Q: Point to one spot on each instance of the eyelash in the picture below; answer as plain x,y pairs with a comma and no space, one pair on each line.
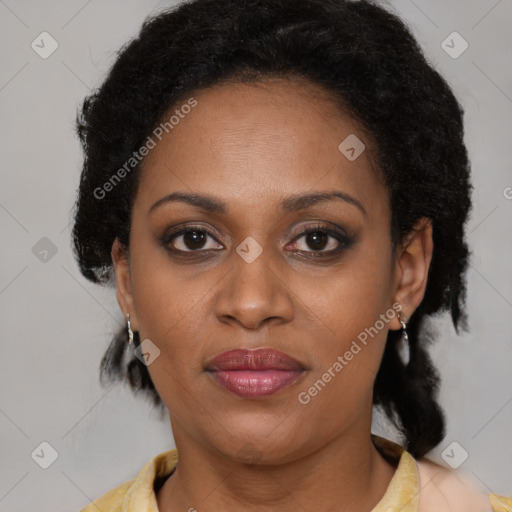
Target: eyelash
343,240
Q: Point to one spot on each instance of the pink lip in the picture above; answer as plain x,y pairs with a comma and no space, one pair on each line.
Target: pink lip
254,373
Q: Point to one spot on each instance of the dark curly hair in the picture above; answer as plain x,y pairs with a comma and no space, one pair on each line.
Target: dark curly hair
368,60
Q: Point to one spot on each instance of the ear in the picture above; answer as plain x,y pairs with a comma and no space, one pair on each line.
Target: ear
412,264
121,262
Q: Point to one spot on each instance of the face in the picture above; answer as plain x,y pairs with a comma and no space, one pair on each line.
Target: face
241,271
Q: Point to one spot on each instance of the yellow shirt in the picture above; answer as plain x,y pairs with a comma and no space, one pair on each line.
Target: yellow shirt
417,486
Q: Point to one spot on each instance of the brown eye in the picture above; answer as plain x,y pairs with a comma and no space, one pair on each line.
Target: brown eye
192,239
321,240
317,240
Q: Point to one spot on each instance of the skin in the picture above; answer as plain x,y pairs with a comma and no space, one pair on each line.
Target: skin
252,145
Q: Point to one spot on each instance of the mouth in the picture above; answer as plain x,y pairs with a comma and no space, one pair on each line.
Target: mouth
254,374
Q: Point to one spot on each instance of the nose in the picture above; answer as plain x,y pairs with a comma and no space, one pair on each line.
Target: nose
254,293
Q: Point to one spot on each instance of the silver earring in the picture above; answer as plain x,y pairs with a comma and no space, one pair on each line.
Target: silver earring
403,345
130,332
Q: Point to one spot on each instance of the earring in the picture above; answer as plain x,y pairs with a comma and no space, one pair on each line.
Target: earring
403,346
130,332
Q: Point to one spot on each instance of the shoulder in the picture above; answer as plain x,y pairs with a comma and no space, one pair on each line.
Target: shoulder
138,493
112,501
500,503
444,489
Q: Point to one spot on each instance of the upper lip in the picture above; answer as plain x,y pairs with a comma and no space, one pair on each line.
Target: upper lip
264,358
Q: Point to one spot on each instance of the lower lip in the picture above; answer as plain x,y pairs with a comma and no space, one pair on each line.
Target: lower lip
254,384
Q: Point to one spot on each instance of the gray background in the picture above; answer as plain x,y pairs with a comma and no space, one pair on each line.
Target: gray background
55,326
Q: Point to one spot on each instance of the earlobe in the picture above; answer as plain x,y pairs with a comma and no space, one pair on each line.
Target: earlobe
121,263
413,264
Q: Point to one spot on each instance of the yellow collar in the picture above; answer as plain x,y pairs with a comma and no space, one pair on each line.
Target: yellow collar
402,494
403,491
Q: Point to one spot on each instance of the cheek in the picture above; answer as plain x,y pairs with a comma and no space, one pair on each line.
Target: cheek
163,299
170,309
169,312
356,310
358,291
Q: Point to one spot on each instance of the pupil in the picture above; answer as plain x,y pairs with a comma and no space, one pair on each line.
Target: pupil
196,238
318,239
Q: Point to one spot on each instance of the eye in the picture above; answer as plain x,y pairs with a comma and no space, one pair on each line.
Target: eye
321,240
191,239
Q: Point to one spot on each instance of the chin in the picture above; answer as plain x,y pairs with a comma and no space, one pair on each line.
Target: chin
259,443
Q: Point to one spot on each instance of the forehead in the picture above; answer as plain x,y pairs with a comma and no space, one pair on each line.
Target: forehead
252,143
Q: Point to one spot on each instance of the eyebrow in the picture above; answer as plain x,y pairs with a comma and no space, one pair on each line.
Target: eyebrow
288,205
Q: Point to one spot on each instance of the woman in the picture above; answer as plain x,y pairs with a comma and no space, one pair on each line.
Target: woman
279,191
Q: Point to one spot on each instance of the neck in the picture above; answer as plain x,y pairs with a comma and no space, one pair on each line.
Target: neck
346,474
